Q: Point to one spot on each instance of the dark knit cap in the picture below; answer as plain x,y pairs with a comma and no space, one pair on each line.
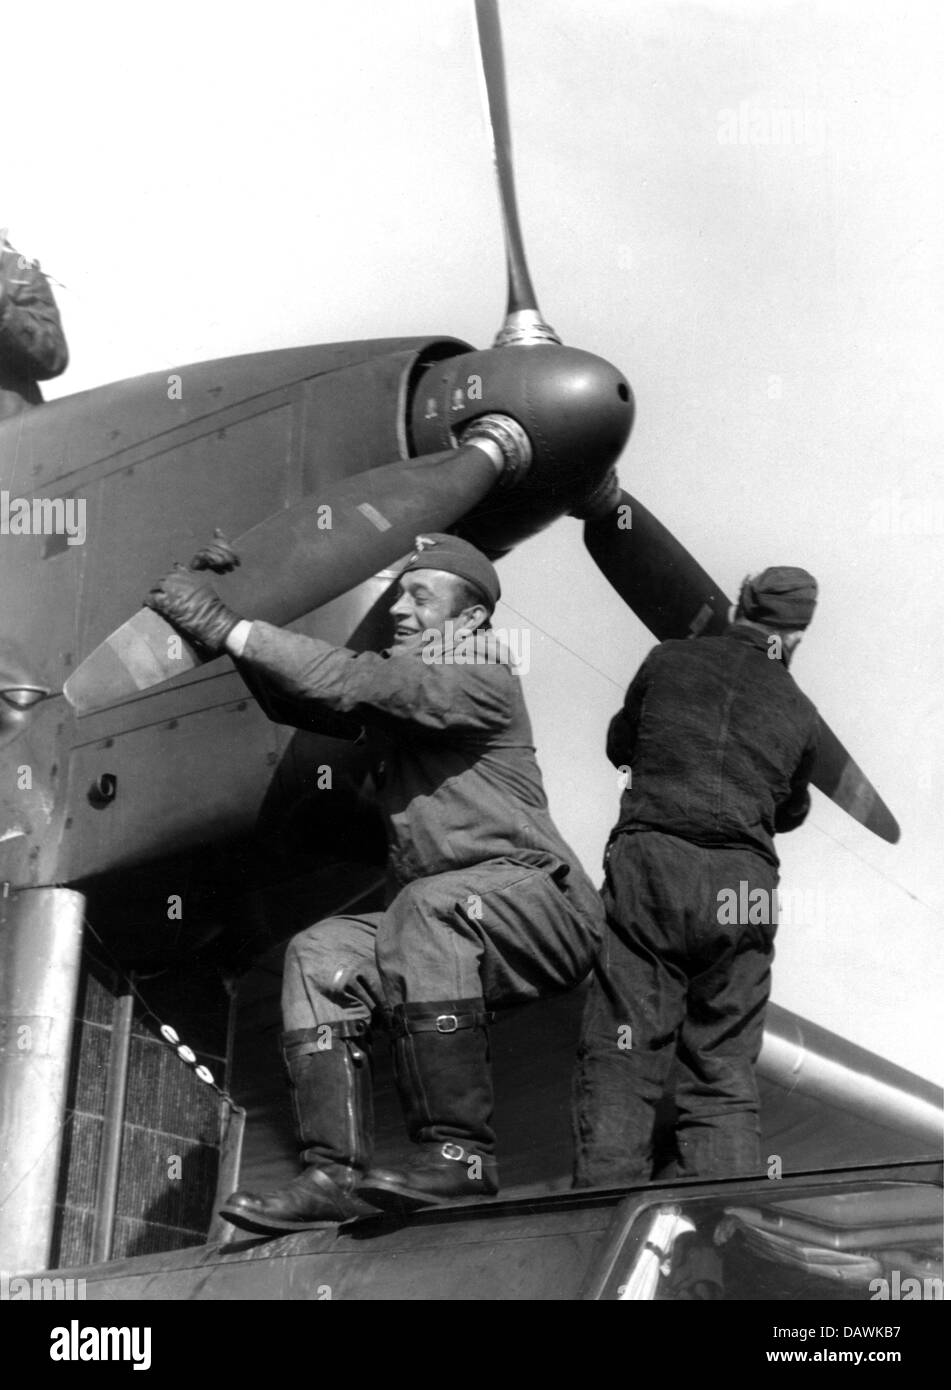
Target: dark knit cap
782,597
451,554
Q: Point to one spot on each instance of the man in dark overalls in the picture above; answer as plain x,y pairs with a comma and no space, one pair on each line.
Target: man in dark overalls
32,342
488,906
716,743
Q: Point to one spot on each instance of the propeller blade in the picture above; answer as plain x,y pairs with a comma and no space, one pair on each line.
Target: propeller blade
662,583
295,561
656,577
523,317
838,775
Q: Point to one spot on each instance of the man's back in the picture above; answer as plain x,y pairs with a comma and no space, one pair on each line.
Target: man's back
719,741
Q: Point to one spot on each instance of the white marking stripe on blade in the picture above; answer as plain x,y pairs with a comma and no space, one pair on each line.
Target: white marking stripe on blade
702,616
134,649
855,792
371,514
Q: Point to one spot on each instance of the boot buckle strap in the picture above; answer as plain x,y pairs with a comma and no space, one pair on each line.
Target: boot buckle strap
350,1028
403,1025
303,1042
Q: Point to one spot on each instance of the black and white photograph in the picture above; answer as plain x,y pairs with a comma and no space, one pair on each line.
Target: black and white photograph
471,641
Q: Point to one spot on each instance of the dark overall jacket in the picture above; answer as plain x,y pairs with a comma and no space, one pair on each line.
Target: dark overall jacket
32,342
720,743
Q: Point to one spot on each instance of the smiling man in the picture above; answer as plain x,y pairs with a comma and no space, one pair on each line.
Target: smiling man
487,906
433,602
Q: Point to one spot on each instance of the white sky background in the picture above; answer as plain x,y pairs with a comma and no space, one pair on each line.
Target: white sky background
215,179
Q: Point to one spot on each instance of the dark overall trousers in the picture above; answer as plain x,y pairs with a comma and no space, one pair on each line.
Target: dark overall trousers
677,985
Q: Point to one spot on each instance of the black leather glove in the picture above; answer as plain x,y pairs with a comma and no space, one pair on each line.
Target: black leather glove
220,555
193,607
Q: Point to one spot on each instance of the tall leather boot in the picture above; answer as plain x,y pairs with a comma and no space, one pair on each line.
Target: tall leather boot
441,1054
332,1087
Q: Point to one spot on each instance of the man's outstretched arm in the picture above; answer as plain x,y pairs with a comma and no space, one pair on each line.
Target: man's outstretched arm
436,698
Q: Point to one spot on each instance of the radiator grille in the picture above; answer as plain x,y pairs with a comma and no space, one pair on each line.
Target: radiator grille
170,1132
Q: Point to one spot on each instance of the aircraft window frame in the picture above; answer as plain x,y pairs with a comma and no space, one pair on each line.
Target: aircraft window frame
782,1229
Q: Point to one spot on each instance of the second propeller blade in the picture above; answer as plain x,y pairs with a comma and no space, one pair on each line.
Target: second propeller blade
674,597
654,574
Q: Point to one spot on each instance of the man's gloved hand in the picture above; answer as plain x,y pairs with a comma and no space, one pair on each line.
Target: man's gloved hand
220,555
189,602
792,813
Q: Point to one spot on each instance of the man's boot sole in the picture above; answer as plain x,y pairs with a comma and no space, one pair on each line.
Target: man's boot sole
401,1200
275,1225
